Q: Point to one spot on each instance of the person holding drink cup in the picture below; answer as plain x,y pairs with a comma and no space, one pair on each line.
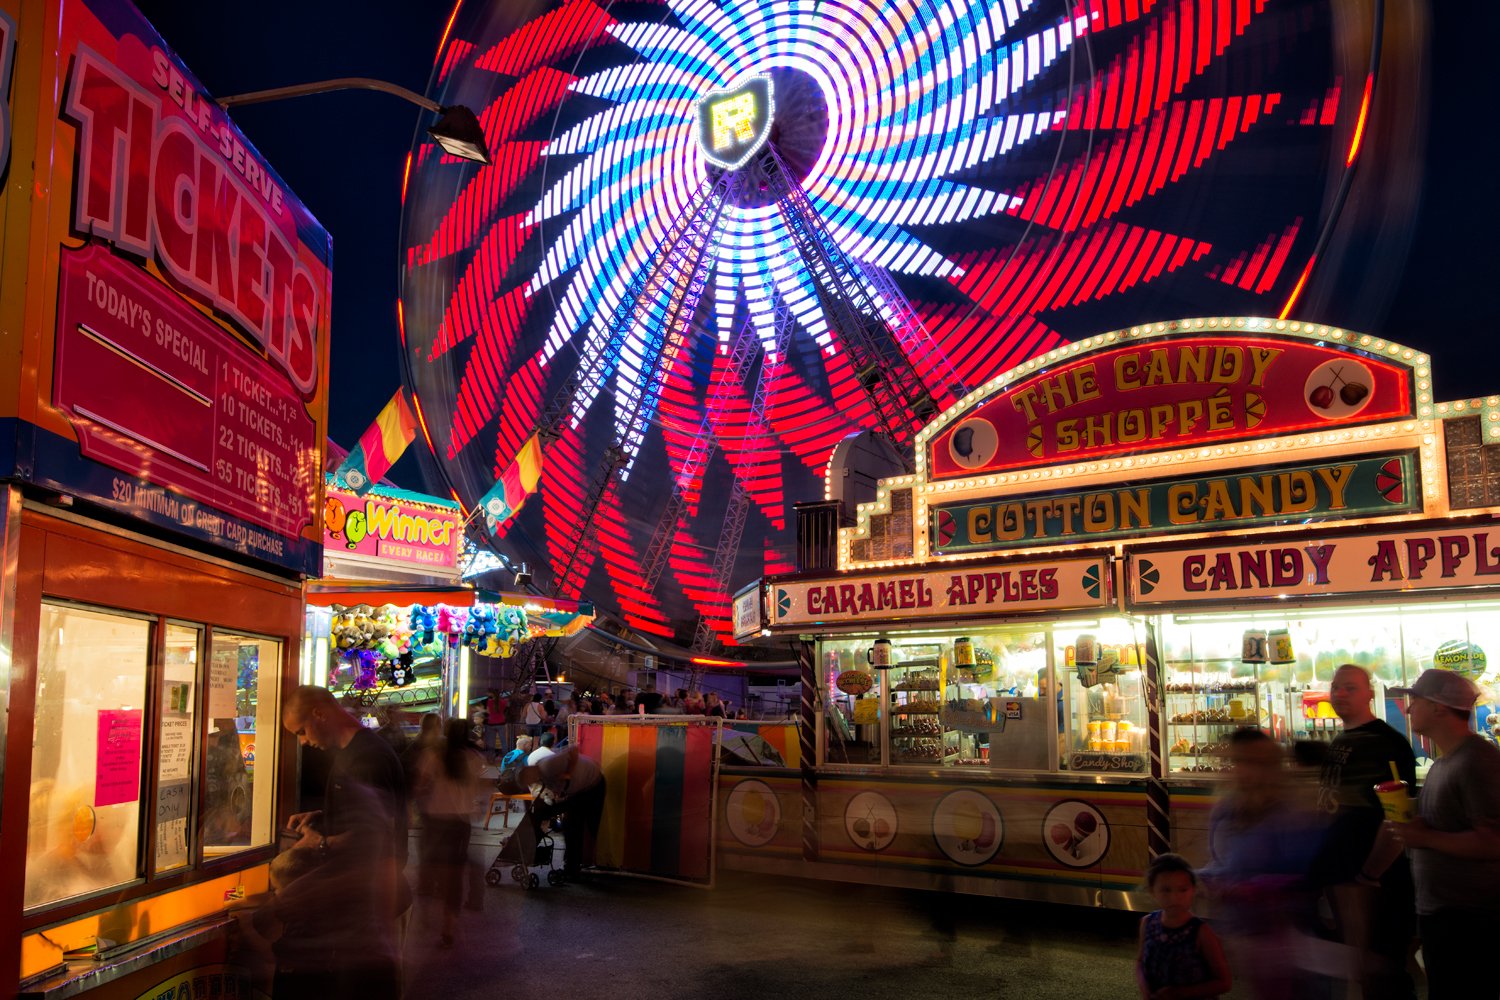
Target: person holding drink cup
1375,917
1454,840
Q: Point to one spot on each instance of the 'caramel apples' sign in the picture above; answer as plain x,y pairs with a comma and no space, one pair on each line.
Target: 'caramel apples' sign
1162,393
1433,558
1014,588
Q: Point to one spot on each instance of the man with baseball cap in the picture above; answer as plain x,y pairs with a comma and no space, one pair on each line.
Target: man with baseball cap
1454,842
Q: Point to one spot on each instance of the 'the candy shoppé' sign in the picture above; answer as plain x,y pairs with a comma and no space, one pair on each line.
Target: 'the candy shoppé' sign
1169,393
1419,560
1014,587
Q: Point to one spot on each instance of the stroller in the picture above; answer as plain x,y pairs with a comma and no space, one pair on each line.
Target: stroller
523,851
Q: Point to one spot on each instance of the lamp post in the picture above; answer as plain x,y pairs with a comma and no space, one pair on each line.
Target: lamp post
457,130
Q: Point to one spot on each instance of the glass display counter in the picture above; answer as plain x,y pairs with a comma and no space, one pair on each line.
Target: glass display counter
984,698
1105,720
1223,672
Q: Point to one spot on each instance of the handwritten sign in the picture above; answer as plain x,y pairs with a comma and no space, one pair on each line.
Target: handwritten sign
1095,761
176,756
223,676
173,800
117,762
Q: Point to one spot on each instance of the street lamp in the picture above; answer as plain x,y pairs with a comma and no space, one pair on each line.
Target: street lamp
457,130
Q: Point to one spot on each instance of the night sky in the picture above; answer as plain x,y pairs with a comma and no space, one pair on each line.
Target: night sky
343,155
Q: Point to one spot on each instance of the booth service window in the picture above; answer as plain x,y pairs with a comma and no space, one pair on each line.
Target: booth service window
210,710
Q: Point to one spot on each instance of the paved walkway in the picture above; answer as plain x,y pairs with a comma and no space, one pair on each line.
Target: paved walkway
754,937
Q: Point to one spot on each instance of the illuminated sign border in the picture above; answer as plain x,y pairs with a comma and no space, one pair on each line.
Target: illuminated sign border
1052,415
1424,427
760,140
1442,556
1081,583
1370,480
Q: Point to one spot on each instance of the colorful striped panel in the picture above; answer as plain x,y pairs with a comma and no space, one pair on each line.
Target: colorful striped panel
658,807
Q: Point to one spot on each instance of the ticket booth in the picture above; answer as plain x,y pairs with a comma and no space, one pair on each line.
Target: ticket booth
164,315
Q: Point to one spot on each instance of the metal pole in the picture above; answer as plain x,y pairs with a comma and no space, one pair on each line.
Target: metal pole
344,83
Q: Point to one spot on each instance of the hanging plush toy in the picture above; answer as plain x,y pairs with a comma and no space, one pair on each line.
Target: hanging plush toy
512,624
480,629
424,622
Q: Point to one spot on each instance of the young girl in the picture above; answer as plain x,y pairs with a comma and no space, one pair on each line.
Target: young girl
1180,956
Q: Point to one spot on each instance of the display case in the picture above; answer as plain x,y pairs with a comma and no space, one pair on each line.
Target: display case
852,695
1225,672
916,684
1105,717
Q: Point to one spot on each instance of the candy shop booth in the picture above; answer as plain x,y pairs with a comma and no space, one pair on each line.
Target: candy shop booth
1021,674
164,309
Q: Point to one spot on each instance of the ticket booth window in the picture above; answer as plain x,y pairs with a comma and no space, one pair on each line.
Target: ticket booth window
243,723
178,746
87,753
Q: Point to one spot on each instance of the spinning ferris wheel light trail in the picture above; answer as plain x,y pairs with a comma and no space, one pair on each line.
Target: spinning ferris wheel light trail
720,236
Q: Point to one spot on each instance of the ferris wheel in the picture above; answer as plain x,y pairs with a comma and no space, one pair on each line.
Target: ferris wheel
721,236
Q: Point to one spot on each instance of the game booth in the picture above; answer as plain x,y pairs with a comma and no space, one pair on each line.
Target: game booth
164,303
391,626
1023,662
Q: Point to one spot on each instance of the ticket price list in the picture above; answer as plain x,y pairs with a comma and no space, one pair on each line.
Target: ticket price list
263,439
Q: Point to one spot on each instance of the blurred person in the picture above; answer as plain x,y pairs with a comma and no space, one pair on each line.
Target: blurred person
226,805
575,791
1454,841
565,710
364,810
449,785
712,706
543,750
1179,957
429,735
389,728
1262,846
1375,917
694,704
329,924
534,717
496,708
649,702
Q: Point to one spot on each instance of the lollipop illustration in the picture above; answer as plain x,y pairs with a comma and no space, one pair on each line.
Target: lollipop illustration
870,821
753,810
753,813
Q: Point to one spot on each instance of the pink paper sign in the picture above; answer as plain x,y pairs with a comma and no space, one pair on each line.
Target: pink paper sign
117,767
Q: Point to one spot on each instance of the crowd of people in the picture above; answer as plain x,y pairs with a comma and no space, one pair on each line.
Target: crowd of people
1313,882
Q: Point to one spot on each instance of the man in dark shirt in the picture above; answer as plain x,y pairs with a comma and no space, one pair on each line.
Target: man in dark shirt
360,757
364,817
1359,759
